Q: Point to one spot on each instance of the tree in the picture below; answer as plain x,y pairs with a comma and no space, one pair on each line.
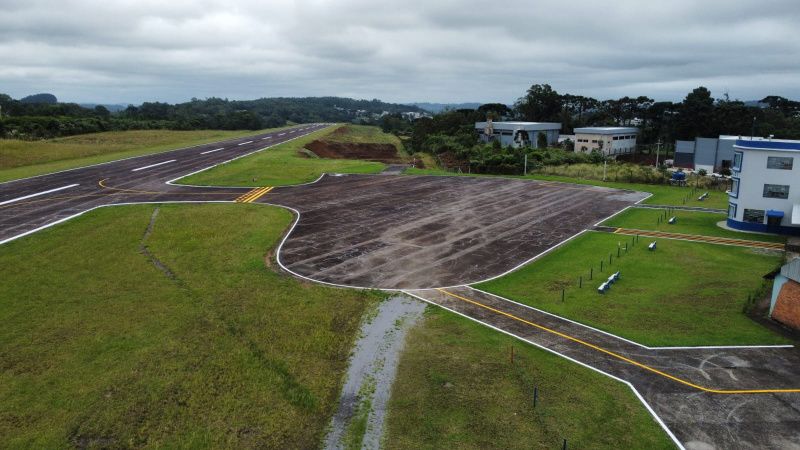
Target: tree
495,111
696,115
540,104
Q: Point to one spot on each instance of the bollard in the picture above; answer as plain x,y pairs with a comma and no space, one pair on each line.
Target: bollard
601,265
535,395
626,247
591,271
580,281
609,258
564,447
562,295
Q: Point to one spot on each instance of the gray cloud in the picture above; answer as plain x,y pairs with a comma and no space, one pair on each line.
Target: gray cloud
133,51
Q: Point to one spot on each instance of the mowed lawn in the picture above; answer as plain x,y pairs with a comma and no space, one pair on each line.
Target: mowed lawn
684,293
662,194
687,222
100,348
20,159
281,165
457,388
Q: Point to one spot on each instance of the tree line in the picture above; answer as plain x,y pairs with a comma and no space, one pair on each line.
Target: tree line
32,119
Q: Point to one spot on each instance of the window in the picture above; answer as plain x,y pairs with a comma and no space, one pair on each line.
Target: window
732,210
776,191
594,141
753,215
734,187
737,161
780,162
616,138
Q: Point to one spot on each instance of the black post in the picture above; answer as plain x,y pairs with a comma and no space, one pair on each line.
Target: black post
580,281
618,251
591,271
562,295
564,447
609,258
601,265
535,395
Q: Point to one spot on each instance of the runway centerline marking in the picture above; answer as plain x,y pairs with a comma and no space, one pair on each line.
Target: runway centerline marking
281,134
618,356
245,143
265,138
212,151
24,197
153,165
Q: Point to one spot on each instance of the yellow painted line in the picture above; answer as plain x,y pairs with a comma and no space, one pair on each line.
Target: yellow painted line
251,195
701,238
620,357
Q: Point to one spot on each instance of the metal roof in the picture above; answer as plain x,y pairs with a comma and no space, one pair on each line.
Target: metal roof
785,145
606,130
512,126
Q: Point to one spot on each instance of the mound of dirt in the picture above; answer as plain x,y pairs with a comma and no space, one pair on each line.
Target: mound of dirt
386,153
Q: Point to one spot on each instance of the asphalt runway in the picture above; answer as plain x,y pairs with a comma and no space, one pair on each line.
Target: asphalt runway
420,233
29,204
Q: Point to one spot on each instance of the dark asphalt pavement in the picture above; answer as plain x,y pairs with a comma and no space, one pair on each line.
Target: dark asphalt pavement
29,204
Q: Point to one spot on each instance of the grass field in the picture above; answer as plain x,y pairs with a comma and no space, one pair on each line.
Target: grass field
684,293
688,222
662,194
99,348
364,134
456,388
281,165
20,159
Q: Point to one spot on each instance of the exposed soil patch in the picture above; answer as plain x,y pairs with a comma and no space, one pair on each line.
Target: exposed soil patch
385,153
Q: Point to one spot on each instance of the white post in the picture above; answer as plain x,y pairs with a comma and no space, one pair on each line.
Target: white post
605,164
525,172
658,149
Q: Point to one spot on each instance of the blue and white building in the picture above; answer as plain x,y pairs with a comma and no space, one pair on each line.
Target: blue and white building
518,134
765,190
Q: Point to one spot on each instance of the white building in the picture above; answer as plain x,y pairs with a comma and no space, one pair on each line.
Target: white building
518,134
609,140
765,191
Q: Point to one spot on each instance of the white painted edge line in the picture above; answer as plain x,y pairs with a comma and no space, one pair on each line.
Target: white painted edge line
629,384
212,151
117,160
64,219
245,143
38,194
153,165
173,181
699,347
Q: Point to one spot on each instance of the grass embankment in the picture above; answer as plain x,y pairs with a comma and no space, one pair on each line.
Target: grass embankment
100,348
364,134
688,222
456,388
20,159
281,165
662,194
684,293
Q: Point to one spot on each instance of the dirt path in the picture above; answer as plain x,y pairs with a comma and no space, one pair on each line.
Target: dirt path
358,422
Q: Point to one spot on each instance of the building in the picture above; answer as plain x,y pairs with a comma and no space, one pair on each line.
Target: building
785,303
518,134
609,140
765,188
711,154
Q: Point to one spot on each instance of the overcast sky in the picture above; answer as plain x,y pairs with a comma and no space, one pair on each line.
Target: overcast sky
129,51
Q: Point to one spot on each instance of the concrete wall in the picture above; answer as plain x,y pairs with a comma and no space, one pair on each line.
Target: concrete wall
610,146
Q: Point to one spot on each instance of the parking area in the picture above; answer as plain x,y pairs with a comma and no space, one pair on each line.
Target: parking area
398,232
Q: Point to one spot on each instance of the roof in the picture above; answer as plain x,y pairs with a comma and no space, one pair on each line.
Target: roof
520,125
606,130
786,145
791,270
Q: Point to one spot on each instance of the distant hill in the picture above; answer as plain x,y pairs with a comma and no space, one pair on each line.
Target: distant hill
114,107
48,99
439,107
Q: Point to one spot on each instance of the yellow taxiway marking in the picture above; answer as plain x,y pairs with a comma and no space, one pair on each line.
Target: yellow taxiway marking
700,238
253,195
620,357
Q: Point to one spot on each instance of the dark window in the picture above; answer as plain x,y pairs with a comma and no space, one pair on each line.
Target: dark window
779,162
734,187
616,138
732,210
737,161
776,191
753,215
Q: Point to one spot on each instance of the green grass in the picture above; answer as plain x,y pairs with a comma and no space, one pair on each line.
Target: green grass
684,293
688,222
279,166
20,159
364,134
662,194
101,349
456,388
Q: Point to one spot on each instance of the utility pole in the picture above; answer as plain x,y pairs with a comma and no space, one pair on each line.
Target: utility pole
525,171
658,150
753,129
605,164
